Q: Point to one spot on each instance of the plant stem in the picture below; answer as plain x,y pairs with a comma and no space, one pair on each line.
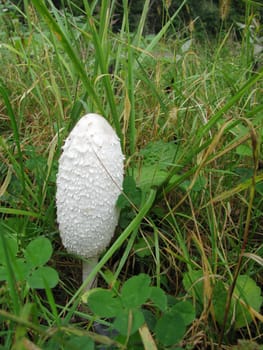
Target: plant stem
87,266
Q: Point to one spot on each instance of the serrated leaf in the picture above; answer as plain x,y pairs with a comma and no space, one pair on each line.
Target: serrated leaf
43,277
159,153
198,186
149,176
157,158
159,298
186,311
136,291
170,329
38,252
128,321
104,303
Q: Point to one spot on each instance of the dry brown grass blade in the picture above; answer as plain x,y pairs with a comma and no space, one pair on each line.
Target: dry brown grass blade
147,339
6,181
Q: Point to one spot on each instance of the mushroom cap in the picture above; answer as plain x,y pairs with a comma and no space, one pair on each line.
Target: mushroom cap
89,181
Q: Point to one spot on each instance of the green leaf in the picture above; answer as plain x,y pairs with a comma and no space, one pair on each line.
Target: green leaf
157,158
159,153
62,340
38,252
131,193
198,186
128,321
79,343
131,197
159,298
193,284
248,294
170,329
11,245
141,248
136,291
219,304
104,303
244,150
21,269
186,311
3,273
43,277
149,176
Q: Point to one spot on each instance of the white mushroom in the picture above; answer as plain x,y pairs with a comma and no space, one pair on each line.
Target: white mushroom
89,181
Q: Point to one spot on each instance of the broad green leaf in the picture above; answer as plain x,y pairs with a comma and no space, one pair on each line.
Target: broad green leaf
244,150
158,297
136,291
21,269
193,284
11,245
219,304
247,293
128,321
170,329
3,273
79,343
43,277
149,317
157,158
62,340
38,252
132,194
198,186
141,248
149,176
159,153
186,311
104,303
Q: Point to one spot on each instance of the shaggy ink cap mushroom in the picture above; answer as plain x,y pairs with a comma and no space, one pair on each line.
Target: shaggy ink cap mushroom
89,181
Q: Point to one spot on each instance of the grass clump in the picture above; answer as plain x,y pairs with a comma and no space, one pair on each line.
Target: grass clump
189,115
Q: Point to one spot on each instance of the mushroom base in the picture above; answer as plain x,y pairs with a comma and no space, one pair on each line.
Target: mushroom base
87,266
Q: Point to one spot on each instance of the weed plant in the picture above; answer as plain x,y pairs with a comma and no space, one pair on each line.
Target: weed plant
185,268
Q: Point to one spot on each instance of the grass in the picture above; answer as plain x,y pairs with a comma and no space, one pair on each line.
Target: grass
189,116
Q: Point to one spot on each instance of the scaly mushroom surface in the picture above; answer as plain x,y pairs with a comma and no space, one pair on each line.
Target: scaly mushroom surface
89,181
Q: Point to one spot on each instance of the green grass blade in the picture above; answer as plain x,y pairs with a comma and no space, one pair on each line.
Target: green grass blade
161,33
100,41
68,47
245,88
20,212
11,280
15,129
